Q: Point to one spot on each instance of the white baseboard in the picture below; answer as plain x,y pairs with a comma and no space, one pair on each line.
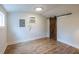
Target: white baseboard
3,49
73,45
15,42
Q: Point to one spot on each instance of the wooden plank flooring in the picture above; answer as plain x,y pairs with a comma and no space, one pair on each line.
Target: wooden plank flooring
41,46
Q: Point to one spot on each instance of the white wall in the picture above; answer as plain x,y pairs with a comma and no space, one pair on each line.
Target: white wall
3,33
68,29
48,28
18,34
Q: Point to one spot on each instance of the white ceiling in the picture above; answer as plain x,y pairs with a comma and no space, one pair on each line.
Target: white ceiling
48,9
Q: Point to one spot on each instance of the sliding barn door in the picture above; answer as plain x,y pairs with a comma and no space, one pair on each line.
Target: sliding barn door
53,28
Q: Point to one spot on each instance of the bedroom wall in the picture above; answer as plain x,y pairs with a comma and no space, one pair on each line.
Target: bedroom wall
3,32
18,34
68,29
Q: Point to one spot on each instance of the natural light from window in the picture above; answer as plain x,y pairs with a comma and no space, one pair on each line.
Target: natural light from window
2,18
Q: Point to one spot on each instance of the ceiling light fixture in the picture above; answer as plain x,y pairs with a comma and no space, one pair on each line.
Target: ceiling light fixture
38,9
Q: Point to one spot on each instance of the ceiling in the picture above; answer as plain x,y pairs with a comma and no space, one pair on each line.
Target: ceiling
48,9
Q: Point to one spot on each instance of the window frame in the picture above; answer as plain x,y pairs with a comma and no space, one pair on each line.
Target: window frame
3,19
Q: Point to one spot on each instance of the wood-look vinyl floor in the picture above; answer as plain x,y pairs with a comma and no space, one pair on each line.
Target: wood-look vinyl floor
41,46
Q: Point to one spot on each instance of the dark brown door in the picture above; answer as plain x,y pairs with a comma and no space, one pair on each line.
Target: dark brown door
53,28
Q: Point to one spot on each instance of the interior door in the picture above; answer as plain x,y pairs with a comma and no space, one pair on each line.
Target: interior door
53,28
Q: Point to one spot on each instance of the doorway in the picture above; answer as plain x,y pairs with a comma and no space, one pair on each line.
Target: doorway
53,27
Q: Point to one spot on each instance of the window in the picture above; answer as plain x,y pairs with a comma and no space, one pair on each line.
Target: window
2,18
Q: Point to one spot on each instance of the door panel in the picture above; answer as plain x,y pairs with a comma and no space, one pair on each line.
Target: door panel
53,28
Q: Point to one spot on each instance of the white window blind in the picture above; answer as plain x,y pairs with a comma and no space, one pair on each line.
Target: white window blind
2,19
